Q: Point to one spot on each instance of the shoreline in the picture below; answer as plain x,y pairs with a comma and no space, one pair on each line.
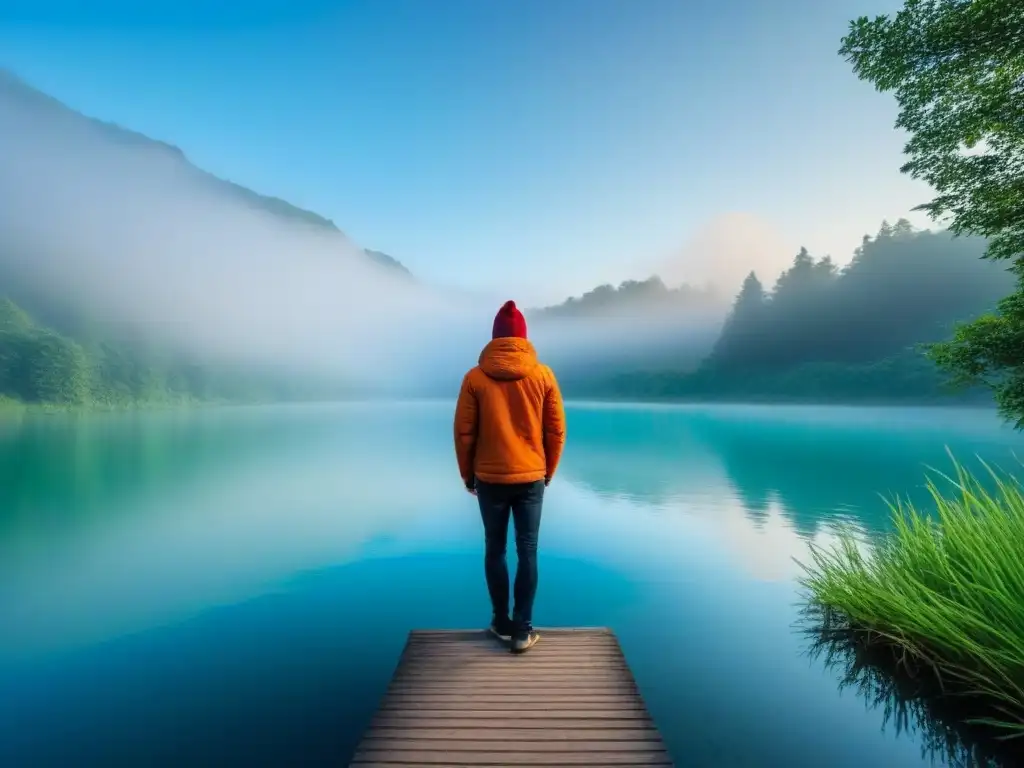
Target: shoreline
939,594
937,402
15,406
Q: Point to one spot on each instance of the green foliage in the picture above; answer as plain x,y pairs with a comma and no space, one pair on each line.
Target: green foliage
989,351
901,288
744,326
13,319
39,365
850,335
56,370
904,378
943,589
956,68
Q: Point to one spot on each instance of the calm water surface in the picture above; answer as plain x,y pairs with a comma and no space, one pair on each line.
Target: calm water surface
233,587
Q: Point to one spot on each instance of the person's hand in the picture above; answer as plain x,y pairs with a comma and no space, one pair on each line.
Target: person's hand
471,489
547,481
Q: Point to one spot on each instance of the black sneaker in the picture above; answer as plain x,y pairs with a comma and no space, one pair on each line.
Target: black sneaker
501,628
522,643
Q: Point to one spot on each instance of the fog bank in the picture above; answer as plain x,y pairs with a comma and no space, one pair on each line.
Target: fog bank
130,234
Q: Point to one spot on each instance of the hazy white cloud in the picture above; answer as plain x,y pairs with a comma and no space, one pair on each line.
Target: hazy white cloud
135,236
726,249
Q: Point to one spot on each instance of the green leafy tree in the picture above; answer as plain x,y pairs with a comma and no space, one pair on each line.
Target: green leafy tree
56,370
956,68
39,364
13,319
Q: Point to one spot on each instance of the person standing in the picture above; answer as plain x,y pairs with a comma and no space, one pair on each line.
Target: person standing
509,436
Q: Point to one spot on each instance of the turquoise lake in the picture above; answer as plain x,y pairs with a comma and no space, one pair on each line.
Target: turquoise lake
232,587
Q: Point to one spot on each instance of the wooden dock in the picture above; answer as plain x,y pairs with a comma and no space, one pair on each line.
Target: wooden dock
460,698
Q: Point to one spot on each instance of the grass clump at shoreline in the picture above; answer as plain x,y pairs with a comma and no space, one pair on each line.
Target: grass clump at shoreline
944,591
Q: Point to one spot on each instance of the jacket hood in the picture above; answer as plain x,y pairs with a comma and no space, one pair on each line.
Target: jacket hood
508,358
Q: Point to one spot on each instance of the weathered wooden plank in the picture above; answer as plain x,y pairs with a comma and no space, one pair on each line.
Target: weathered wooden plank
388,744
622,686
488,648
533,713
543,709
476,636
452,635
376,757
498,662
413,733
588,680
499,657
553,640
565,661
553,643
502,674
556,654
460,698
476,698
404,720
591,695
534,657
478,672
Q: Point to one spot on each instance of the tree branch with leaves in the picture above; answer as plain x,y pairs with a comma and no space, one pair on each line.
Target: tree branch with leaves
956,68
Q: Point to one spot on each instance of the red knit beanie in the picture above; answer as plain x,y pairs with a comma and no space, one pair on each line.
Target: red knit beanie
509,322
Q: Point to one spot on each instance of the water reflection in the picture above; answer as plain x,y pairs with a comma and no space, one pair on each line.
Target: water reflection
180,511
909,698
228,584
767,481
815,466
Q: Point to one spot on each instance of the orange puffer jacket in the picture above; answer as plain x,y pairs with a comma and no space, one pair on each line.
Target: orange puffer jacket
509,420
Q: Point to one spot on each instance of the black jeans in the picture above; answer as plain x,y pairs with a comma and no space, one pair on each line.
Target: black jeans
523,501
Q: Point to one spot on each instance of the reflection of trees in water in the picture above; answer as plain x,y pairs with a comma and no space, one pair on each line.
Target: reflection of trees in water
279,490
57,469
909,696
816,471
649,455
51,464
830,472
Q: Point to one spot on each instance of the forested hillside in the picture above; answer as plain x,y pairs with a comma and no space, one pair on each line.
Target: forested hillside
631,299
41,365
851,334
54,348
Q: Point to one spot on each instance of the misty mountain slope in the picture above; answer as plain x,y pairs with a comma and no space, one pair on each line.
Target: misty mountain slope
108,237
637,299
16,94
146,277
39,365
640,325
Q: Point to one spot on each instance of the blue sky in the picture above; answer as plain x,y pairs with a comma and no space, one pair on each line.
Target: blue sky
540,146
